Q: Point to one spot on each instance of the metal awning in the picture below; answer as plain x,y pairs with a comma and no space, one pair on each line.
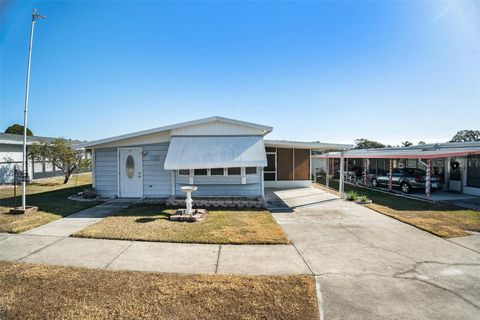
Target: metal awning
452,149
202,152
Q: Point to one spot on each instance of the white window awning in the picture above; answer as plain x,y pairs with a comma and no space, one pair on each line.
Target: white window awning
202,152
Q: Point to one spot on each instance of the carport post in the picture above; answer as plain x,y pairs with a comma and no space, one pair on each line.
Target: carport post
365,165
327,170
333,168
342,165
429,176
390,177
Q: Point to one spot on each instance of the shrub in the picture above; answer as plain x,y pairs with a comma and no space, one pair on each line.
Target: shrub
362,198
355,196
352,195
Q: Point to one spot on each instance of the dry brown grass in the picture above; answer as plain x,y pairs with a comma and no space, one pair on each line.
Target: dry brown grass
444,221
51,292
439,219
150,223
49,195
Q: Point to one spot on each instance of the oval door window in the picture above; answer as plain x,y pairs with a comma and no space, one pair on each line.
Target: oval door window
130,166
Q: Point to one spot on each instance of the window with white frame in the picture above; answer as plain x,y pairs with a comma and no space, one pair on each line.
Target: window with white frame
217,172
200,172
233,171
184,172
251,170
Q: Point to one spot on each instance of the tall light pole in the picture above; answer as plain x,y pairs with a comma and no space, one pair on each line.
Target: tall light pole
35,17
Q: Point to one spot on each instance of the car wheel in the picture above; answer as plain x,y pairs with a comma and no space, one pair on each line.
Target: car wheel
374,183
405,187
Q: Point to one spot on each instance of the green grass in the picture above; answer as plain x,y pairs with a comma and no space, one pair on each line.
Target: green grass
49,195
150,223
437,218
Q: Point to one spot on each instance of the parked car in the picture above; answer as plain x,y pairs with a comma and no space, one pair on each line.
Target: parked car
407,179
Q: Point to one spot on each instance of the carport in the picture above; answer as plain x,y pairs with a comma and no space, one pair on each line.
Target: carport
462,159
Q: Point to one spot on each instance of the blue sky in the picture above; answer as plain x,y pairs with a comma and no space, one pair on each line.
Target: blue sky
328,71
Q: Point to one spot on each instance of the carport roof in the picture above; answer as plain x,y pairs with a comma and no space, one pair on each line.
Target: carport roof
430,151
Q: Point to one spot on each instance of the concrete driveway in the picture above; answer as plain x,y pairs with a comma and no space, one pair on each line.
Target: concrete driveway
370,266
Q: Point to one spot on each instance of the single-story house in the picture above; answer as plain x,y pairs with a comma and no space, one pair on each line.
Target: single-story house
222,157
11,155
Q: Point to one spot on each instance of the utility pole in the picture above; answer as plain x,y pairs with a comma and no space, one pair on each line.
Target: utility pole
35,17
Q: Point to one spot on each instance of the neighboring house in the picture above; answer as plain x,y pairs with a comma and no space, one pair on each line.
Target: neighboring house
223,157
11,154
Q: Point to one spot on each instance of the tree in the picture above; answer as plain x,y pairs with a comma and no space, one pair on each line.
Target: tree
18,129
466,136
367,144
421,143
407,144
62,155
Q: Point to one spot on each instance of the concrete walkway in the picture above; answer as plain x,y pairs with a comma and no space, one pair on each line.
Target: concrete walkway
51,244
69,225
370,266
152,256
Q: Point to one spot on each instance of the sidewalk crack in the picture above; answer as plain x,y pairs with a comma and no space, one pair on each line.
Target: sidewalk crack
48,245
218,258
121,252
303,258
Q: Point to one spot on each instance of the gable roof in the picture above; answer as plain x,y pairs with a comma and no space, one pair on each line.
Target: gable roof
264,129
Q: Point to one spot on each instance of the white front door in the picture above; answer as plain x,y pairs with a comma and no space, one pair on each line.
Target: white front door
130,171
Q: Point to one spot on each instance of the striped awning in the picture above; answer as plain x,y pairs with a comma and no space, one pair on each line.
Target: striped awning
204,152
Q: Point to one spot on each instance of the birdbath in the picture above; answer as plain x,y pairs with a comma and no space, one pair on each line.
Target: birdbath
188,190
189,214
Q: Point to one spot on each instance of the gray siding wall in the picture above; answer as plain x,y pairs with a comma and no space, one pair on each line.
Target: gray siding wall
221,186
156,181
106,172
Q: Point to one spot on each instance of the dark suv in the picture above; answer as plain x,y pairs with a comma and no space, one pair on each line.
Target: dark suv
407,179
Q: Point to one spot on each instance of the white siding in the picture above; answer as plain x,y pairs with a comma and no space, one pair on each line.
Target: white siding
157,137
216,128
10,153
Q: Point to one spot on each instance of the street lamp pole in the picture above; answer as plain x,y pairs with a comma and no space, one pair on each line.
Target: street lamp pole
35,17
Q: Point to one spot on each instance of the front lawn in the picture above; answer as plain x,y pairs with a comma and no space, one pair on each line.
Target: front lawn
150,223
49,195
437,218
31,291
